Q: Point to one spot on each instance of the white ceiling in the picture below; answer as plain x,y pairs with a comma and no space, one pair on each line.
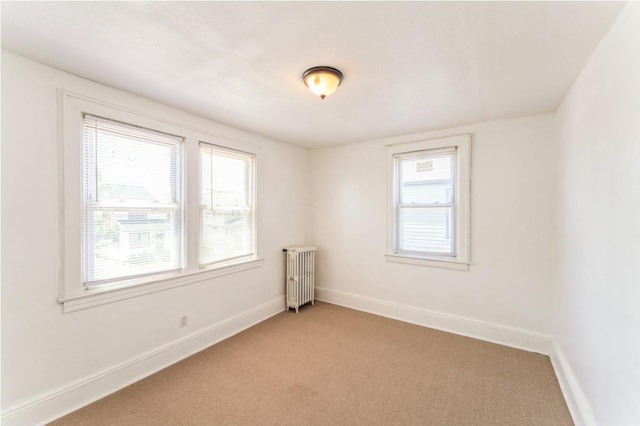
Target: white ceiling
408,66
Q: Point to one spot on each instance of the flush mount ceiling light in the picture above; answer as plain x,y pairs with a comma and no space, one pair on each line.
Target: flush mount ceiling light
322,81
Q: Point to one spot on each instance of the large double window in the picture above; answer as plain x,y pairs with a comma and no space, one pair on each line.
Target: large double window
150,204
429,202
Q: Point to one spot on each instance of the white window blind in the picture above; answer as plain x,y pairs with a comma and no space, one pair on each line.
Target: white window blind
132,209
227,230
426,202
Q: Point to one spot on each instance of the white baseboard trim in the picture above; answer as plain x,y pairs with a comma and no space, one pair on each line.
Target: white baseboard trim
57,403
577,402
520,339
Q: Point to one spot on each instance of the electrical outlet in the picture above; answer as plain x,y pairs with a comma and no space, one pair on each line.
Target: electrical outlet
184,321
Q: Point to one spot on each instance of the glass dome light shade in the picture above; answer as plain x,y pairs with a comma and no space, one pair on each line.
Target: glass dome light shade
322,81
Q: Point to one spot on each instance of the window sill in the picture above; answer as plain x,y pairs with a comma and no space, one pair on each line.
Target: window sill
102,296
429,262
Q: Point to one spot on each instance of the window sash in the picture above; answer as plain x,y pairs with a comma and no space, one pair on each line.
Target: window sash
107,256
410,248
215,246
405,243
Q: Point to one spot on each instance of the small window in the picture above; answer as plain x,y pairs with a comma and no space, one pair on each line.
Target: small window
429,206
227,213
132,187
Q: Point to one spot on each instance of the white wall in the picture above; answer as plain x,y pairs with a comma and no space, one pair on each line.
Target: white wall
506,294
53,361
597,278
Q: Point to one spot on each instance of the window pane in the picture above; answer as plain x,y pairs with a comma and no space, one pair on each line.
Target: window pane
226,234
135,170
226,204
426,229
132,202
427,179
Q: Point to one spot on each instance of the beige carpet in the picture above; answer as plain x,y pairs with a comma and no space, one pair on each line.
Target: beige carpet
332,365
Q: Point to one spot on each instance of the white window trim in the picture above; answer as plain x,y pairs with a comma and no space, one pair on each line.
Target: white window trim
73,295
461,260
